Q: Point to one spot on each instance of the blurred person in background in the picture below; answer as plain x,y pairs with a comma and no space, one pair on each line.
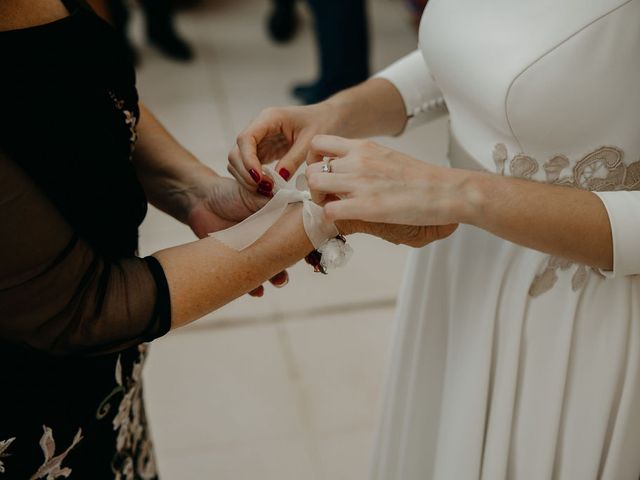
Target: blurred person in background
160,26
342,39
79,158
517,345
416,7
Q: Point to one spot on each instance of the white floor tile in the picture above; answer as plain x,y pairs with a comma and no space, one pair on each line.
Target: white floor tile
346,455
265,460
220,389
340,360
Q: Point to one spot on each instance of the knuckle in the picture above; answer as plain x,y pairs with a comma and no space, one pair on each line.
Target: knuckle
270,112
367,144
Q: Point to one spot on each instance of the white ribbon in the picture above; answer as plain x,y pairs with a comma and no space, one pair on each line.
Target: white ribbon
247,232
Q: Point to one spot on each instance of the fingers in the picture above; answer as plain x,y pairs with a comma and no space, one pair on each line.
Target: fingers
252,200
347,164
244,158
329,146
235,173
278,281
350,209
292,160
264,188
334,183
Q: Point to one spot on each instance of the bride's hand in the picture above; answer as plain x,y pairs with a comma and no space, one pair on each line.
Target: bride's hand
374,183
278,133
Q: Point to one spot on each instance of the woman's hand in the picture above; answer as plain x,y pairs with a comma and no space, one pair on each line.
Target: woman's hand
374,107
212,203
282,134
373,183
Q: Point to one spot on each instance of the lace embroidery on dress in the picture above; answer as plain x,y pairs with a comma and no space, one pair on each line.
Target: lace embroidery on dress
130,119
600,171
52,466
134,456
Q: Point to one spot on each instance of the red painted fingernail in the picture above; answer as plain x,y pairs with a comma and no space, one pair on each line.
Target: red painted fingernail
281,279
265,188
284,173
258,292
255,175
265,185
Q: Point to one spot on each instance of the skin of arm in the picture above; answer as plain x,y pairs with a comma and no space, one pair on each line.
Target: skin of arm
563,221
205,275
370,109
177,183
15,14
169,173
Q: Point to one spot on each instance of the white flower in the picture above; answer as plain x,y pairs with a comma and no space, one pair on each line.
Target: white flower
335,253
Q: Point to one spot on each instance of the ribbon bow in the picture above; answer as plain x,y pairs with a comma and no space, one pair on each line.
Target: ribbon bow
247,232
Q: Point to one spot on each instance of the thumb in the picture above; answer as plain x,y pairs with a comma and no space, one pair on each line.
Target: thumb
251,200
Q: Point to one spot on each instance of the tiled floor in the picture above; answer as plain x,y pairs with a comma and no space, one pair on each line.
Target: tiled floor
287,386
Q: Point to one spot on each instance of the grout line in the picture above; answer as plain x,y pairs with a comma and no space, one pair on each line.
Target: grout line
290,316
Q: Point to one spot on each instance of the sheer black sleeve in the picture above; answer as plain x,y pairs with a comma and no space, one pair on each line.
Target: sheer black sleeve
57,294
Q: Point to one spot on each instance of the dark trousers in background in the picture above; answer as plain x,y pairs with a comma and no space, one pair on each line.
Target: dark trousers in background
157,15
342,33
343,43
160,28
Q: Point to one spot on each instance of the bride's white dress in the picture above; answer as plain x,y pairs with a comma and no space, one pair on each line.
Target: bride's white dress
508,363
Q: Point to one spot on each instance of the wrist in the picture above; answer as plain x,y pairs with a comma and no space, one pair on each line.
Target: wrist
184,189
340,111
476,191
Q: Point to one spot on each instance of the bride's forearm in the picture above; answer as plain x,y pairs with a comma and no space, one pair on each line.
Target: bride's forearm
563,221
372,108
205,275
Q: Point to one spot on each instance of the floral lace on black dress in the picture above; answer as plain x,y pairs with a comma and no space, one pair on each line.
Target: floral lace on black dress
76,303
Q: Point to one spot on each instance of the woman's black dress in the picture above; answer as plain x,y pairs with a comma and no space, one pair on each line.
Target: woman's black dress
76,304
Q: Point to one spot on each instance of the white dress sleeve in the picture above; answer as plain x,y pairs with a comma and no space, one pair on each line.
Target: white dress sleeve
623,208
423,99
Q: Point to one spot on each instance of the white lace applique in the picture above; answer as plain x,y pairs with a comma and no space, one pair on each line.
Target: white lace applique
600,171
130,119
